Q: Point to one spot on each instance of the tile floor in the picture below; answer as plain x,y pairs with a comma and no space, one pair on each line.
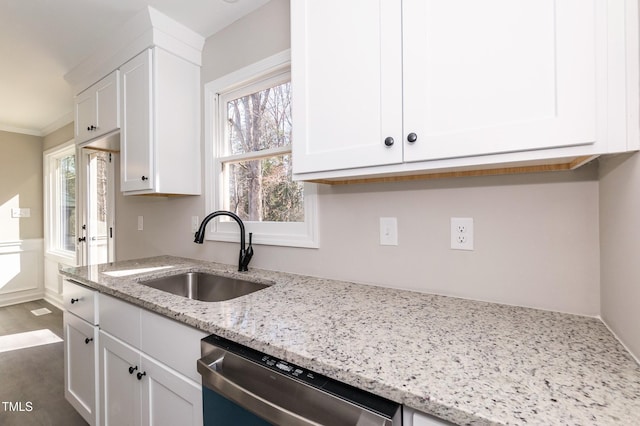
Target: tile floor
34,374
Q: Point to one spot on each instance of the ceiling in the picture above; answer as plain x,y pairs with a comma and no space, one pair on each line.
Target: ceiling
42,40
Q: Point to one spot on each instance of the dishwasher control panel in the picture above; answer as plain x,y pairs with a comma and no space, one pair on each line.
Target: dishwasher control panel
293,370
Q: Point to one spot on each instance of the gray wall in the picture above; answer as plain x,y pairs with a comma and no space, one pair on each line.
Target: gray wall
620,247
537,240
58,137
20,185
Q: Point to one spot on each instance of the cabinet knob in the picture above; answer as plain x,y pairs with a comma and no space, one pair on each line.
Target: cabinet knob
412,137
144,178
88,340
139,375
74,301
132,369
388,141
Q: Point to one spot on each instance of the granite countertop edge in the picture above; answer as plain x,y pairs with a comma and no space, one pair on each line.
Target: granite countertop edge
247,320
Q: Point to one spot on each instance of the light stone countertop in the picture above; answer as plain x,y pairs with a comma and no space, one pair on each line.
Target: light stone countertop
465,361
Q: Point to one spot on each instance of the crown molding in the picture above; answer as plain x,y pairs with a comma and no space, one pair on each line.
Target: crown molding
60,122
21,130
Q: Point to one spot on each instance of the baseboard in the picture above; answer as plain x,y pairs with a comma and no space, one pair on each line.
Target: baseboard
14,300
54,298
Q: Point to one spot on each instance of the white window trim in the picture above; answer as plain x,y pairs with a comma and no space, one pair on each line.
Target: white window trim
298,234
51,190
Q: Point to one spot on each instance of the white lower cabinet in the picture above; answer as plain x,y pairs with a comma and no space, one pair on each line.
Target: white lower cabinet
137,390
81,363
135,387
133,367
168,398
119,388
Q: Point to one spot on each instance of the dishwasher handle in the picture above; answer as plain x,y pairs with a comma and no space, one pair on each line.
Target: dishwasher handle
212,372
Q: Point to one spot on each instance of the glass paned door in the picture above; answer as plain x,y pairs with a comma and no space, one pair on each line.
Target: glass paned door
97,227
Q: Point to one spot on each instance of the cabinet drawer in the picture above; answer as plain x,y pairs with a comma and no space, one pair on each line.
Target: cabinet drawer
120,319
172,343
81,301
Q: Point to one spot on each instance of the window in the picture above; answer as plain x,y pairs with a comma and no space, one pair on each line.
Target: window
60,200
248,134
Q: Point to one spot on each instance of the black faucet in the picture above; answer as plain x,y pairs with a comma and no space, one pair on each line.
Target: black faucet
245,255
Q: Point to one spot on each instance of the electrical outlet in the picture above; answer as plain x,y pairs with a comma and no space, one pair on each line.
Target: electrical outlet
195,223
140,223
462,233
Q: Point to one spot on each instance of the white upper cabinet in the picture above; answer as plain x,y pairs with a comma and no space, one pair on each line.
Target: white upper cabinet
153,97
460,84
160,135
136,143
347,79
97,109
498,75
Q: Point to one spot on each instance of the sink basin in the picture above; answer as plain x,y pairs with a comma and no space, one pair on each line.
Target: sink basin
204,287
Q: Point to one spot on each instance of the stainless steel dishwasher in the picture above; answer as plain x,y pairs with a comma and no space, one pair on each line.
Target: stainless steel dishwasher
242,386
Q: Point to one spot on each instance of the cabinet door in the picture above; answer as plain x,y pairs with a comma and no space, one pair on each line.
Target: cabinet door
498,75
119,386
80,366
107,105
85,109
347,84
136,134
169,398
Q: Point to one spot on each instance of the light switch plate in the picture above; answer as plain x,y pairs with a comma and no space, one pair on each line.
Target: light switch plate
20,212
388,231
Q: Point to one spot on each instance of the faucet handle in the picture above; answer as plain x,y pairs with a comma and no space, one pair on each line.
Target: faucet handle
248,254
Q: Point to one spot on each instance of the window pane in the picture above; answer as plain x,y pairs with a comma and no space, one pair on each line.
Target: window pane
262,190
261,120
67,203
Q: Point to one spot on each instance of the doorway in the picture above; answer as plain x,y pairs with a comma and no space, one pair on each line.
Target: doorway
96,233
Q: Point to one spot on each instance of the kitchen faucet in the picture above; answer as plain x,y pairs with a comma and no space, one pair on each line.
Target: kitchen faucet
245,255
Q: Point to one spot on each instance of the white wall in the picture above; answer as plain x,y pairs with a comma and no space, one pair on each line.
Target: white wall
536,235
620,247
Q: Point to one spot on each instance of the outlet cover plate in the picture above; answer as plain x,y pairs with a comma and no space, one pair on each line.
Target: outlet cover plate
462,233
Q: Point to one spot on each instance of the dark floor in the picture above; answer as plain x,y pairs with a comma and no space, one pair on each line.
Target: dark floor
34,375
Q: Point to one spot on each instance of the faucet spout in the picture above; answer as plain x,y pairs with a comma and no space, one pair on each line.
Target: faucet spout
245,253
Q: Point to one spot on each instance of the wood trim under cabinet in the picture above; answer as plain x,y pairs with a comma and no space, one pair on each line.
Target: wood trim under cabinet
570,165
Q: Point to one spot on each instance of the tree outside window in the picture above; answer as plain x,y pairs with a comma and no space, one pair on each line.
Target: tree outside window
260,186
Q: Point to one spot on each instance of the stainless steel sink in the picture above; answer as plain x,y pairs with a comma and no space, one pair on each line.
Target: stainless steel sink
204,287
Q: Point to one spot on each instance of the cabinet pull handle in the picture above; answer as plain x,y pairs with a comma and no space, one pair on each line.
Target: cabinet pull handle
144,178
132,369
91,128
74,301
412,137
388,141
139,375
82,239
88,340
